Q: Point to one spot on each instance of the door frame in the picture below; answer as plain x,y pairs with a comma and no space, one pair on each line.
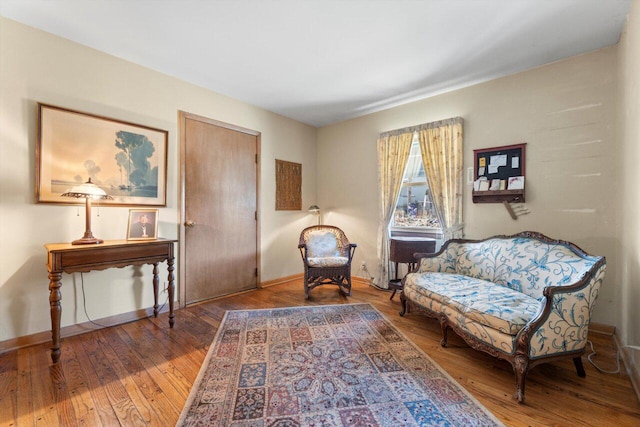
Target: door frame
182,118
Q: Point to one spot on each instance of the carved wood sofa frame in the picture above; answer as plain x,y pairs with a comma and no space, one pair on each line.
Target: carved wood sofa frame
519,360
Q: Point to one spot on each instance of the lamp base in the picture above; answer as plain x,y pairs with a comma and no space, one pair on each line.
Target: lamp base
87,241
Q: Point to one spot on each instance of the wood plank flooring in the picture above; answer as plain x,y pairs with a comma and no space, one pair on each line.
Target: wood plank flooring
140,373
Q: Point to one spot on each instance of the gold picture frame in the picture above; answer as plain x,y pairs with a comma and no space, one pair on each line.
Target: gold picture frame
143,224
128,161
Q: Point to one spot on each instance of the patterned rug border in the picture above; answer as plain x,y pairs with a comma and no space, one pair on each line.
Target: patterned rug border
203,368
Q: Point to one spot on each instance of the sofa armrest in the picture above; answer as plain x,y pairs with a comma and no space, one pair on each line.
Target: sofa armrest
562,324
443,261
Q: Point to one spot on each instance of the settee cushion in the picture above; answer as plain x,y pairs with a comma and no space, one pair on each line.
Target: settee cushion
495,306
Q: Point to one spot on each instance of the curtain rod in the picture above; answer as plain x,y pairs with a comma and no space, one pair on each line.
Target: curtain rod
418,128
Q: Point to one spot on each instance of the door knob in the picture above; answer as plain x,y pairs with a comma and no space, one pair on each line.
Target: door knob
189,223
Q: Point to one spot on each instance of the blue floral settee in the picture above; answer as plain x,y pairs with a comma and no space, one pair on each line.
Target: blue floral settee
524,298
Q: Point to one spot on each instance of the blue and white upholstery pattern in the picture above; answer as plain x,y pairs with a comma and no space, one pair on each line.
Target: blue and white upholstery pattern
494,289
567,326
494,306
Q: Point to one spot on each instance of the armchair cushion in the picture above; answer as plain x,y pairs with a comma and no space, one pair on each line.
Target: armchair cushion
327,261
322,243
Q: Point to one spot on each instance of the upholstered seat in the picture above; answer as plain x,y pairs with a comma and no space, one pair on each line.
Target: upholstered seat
326,254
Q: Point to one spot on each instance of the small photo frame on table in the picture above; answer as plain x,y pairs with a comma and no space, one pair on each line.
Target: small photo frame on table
143,224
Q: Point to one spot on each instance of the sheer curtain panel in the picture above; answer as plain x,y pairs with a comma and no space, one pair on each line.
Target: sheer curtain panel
441,147
393,152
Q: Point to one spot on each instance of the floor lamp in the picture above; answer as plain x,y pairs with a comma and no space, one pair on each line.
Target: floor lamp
316,210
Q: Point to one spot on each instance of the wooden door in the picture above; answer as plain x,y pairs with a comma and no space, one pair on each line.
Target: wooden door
219,213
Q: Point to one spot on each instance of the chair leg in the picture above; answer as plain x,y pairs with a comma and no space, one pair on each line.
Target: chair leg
306,286
404,307
444,327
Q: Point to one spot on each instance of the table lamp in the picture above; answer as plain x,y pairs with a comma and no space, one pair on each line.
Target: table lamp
88,191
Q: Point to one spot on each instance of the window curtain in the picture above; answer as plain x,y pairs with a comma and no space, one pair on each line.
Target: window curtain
393,152
441,147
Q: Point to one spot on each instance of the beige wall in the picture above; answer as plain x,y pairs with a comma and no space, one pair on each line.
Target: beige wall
629,189
564,111
581,175
38,67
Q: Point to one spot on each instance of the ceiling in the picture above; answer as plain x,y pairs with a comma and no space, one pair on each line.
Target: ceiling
323,61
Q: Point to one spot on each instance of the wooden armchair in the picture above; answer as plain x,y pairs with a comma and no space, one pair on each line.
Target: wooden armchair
326,254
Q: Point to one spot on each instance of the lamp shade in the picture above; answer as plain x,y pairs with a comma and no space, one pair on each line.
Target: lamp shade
314,209
87,189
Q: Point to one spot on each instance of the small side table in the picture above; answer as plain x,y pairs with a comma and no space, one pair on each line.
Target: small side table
401,252
68,258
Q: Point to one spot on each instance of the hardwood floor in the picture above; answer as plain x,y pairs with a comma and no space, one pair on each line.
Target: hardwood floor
140,373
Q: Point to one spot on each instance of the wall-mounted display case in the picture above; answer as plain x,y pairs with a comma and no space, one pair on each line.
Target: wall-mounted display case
499,174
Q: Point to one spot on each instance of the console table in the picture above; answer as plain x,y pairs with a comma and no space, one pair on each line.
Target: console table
401,250
68,258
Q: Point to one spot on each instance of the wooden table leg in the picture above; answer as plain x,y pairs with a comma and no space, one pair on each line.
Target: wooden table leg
156,282
396,281
170,289
56,312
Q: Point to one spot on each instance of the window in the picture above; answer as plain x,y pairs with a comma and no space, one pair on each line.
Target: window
415,213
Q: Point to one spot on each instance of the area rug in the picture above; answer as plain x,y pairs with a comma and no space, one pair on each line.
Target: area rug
337,365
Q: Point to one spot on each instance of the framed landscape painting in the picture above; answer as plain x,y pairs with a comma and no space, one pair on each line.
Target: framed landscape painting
128,161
